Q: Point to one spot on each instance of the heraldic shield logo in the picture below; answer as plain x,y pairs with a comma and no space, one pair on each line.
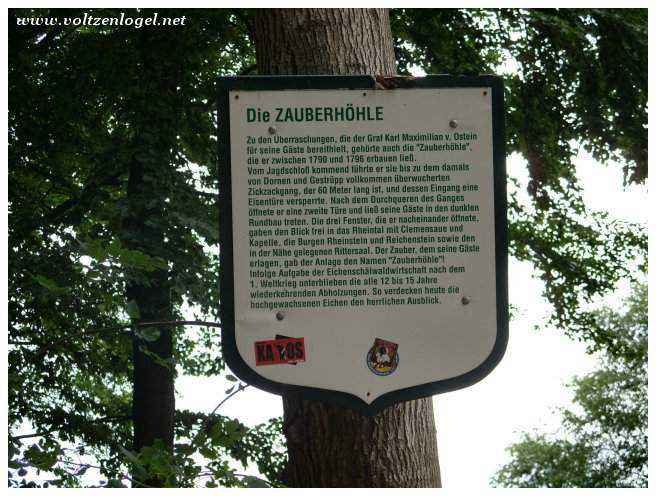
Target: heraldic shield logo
383,357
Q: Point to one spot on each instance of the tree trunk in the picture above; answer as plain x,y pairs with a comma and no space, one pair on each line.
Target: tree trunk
153,399
143,229
330,446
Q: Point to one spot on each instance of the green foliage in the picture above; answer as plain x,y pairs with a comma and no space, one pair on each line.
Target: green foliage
603,442
575,78
83,111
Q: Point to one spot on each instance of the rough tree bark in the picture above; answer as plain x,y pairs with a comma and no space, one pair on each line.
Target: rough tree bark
331,446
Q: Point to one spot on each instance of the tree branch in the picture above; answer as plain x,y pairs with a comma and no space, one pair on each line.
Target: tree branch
87,465
130,326
163,323
208,420
44,433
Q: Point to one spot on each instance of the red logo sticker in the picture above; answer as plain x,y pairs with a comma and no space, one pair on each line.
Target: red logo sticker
277,351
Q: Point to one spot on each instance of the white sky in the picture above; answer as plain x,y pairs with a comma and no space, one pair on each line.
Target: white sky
475,425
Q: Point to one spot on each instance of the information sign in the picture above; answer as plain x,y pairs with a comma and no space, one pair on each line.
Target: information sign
364,250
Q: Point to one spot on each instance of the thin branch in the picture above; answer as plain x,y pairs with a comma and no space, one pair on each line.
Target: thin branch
162,323
87,465
129,327
57,429
208,420
241,387
248,70
213,196
235,474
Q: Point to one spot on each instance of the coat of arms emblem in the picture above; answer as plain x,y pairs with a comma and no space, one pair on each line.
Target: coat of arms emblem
383,357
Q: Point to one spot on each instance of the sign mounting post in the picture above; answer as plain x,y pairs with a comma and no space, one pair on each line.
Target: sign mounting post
363,235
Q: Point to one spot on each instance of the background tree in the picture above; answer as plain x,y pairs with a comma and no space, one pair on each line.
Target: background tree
113,211
603,442
110,225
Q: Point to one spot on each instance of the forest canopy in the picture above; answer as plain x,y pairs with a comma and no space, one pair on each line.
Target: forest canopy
91,106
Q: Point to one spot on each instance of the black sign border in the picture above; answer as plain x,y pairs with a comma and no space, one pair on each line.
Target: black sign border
227,308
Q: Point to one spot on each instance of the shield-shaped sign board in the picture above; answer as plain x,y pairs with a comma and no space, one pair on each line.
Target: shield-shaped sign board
363,229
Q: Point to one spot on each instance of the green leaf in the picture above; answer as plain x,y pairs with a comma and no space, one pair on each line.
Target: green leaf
150,334
254,482
116,483
133,310
130,455
43,459
48,283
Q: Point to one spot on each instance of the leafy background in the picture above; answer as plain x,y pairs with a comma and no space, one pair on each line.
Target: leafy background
89,104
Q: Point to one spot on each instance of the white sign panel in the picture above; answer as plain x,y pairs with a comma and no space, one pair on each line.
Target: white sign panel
365,243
